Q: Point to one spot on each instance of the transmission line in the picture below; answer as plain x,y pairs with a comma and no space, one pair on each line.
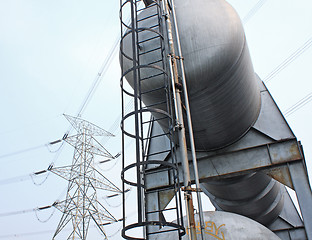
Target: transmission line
16,235
289,60
253,11
87,99
302,102
98,77
22,151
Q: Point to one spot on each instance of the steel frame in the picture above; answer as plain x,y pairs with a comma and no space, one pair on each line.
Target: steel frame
269,146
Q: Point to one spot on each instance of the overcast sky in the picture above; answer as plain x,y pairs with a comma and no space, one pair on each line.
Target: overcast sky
50,54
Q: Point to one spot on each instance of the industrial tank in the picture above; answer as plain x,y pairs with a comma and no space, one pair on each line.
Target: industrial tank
224,96
222,225
255,195
223,90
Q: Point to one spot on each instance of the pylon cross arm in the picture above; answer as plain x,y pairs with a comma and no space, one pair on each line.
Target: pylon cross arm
89,128
96,149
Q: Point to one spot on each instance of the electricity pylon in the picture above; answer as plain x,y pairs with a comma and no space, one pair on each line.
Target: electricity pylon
81,204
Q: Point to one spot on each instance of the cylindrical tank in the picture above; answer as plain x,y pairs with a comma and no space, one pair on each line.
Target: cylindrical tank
223,90
256,196
223,225
224,96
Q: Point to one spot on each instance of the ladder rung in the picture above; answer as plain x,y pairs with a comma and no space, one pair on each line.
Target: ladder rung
148,17
160,60
148,39
154,26
156,75
155,104
163,231
149,6
156,136
159,170
155,119
153,90
149,51
157,153
156,211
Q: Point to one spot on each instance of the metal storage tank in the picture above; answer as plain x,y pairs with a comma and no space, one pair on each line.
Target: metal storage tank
224,97
223,89
222,225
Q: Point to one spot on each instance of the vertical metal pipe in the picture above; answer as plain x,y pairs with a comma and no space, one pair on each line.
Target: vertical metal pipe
122,124
136,115
180,128
189,120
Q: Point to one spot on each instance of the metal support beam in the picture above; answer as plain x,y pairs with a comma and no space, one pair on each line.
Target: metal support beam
233,163
283,160
301,184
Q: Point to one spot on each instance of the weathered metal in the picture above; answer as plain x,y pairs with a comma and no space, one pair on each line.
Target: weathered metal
227,226
223,89
150,215
271,148
241,137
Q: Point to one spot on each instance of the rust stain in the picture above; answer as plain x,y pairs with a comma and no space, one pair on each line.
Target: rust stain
294,151
281,175
165,197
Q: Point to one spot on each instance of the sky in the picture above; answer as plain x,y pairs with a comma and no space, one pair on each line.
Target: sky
51,52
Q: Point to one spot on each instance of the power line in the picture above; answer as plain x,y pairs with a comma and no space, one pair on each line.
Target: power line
91,91
34,148
84,104
15,179
289,60
302,102
7,214
98,77
116,124
253,11
22,151
16,235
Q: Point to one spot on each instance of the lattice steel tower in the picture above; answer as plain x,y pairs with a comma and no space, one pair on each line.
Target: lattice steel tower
81,204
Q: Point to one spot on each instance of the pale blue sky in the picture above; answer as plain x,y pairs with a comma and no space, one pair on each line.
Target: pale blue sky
51,52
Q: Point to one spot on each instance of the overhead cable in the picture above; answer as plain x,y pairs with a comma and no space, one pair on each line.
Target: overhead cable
253,11
14,179
6,214
33,148
289,60
15,235
98,77
92,89
302,102
116,124
22,151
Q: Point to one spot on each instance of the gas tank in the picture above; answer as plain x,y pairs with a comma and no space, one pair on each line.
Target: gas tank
223,89
223,226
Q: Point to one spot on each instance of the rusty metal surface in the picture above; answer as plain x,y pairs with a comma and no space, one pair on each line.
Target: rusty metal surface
238,162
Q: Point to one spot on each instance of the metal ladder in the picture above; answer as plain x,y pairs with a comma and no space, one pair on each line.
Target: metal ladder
143,58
